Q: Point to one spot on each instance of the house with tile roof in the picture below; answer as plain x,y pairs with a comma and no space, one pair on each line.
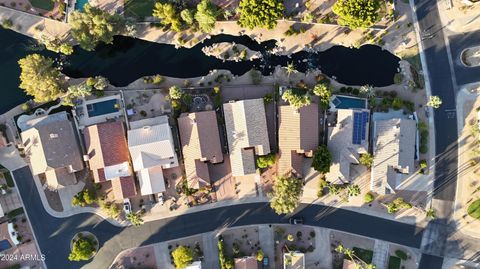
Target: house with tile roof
247,134
394,153
53,147
201,145
347,140
297,137
293,260
248,262
151,146
107,154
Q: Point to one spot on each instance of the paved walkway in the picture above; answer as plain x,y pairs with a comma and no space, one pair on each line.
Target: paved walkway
33,25
380,254
210,251
265,236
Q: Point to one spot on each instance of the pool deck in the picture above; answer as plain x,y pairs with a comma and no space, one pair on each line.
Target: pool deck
84,119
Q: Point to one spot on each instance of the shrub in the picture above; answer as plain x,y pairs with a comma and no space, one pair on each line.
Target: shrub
368,198
266,160
423,164
256,76
401,254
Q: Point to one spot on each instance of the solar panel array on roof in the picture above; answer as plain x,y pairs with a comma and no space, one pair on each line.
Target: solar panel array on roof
360,120
365,120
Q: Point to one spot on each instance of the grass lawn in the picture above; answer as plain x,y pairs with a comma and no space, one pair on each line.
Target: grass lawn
412,56
9,179
43,4
364,254
474,209
139,9
394,262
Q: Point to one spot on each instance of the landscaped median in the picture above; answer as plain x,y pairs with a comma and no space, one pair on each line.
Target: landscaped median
474,209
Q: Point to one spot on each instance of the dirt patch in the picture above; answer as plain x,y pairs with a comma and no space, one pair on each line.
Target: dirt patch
143,257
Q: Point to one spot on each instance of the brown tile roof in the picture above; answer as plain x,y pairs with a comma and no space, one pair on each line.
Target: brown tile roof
246,263
107,146
297,134
200,143
124,187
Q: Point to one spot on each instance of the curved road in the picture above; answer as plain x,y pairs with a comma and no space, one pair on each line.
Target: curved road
54,234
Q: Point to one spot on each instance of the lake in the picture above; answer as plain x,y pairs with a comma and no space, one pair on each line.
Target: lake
128,59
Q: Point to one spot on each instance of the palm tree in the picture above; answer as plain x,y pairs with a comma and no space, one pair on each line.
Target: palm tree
353,190
434,101
135,219
431,213
367,91
290,69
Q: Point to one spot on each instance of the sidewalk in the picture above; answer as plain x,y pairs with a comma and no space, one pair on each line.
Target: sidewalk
467,176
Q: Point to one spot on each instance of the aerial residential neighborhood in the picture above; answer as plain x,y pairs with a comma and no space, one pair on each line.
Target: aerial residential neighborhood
244,134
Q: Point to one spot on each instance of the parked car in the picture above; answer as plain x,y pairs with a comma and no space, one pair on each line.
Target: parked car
127,207
265,263
161,200
296,220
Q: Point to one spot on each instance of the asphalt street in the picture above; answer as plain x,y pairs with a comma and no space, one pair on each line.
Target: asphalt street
54,234
458,43
436,242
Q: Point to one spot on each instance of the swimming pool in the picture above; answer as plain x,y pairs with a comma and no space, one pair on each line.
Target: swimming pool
345,102
4,245
102,108
79,4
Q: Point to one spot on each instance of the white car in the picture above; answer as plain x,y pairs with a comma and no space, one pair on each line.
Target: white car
127,207
161,200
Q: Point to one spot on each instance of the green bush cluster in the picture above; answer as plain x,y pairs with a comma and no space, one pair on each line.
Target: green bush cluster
397,204
423,129
225,261
84,198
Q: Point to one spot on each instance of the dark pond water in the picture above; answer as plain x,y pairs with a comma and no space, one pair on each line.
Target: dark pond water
128,59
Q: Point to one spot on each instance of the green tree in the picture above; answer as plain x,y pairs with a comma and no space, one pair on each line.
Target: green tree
290,237
206,15
135,219
260,13
266,160
40,78
368,198
82,250
168,15
290,69
286,194
324,92
434,101
225,261
110,208
353,190
322,159
367,91
397,103
175,93
100,83
94,25
366,159
397,204
260,255
430,213
74,92
84,198
182,257
296,98
56,44
356,13
187,16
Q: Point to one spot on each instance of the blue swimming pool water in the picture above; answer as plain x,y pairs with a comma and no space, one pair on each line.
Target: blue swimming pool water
79,4
349,102
4,245
102,108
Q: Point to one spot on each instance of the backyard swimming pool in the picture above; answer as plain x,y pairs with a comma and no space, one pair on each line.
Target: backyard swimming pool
345,102
79,4
4,245
102,108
